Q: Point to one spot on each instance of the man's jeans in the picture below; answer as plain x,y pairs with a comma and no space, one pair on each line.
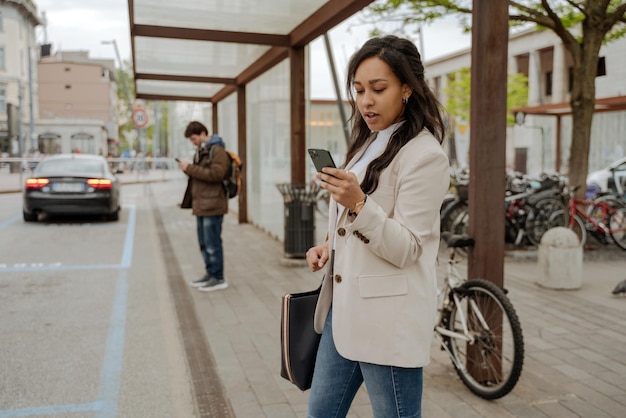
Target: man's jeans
393,391
210,240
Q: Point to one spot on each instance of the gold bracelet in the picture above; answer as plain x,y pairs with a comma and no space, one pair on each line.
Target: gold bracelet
357,205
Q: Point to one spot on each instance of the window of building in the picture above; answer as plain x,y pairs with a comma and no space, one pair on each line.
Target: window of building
599,72
549,83
83,142
49,143
521,160
570,84
3,98
601,67
2,58
1,23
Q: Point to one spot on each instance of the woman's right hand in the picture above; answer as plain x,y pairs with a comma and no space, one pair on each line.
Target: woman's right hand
317,256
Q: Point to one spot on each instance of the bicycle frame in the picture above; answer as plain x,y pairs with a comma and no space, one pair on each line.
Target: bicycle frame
452,280
575,208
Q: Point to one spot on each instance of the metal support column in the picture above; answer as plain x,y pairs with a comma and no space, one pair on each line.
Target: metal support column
242,144
214,118
298,97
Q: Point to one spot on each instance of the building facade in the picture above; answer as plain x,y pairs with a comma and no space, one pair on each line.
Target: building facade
77,104
18,76
532,144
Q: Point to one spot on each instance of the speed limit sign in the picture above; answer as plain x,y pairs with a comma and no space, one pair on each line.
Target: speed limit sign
140,117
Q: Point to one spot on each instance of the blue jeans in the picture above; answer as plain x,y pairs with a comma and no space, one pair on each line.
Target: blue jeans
393,391
210,240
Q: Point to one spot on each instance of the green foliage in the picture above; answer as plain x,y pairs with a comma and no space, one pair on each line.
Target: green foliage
124,79
458,92
411,14
126,128
582,26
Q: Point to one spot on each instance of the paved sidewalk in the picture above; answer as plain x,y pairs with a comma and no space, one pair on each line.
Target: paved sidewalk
575,363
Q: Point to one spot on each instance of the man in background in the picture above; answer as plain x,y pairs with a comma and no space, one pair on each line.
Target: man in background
208,201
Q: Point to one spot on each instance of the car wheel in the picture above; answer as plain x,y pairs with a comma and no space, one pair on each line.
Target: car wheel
29,217
115,216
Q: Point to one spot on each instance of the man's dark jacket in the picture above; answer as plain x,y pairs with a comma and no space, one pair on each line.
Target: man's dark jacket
205,186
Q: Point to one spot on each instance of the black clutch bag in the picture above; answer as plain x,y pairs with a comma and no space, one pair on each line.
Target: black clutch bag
298,338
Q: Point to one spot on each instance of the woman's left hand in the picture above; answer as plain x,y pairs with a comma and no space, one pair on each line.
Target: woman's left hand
343,186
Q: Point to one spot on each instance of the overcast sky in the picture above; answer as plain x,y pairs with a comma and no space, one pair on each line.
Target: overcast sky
84,24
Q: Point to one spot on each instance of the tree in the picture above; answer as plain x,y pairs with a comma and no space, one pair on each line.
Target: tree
124,108
126,128
458,99
583,26
458,94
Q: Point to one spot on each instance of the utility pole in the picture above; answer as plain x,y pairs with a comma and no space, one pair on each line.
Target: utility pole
157,132
333,70
31,106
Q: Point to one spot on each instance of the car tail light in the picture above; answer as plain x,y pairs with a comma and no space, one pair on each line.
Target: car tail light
100,183
36,183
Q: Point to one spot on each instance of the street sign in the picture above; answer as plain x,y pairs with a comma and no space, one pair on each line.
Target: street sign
140,117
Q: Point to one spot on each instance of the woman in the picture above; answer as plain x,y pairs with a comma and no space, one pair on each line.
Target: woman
378,300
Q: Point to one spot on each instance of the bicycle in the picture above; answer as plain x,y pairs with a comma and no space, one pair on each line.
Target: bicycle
604,218
528,215
479,329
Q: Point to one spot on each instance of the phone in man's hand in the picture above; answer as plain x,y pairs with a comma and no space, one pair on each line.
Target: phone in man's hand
321,158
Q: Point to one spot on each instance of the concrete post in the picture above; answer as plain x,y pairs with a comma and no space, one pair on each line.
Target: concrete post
560,257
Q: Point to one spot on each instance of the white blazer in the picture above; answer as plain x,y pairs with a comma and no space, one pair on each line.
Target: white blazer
383,283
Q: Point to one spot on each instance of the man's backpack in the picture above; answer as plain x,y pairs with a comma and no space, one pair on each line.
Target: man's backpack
232,181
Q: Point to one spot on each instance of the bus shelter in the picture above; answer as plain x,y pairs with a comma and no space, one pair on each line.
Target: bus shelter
206,51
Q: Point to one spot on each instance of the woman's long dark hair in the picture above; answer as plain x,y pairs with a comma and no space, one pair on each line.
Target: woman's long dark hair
421,111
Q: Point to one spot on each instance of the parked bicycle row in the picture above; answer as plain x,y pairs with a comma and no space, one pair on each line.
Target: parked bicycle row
534,205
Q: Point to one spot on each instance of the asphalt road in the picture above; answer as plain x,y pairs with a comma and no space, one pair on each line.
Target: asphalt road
87,323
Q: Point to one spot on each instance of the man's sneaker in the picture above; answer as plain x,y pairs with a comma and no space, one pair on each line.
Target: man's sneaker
213,284
201,281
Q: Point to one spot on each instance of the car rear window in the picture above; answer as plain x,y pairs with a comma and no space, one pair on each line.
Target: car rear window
70,166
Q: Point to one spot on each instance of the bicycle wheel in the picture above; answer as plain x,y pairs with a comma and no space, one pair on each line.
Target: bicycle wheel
539,219
450,214
617,227
561,217
597,213
491,364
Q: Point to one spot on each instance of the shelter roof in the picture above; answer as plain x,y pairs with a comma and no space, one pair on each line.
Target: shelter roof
605,104
202,50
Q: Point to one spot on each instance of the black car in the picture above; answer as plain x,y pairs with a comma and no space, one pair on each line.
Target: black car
72,184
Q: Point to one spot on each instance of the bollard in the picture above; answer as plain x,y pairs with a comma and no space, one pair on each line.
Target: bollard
560,257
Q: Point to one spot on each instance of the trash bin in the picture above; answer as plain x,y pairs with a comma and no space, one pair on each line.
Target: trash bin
299,201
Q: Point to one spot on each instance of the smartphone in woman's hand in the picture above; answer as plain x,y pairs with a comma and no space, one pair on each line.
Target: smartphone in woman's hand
321,158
